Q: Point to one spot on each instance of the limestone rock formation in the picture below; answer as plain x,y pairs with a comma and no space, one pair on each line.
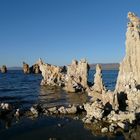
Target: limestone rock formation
35,69
98,90
4,69
77,74
94,110
133,100
52,75
128,82
26,68
110,99
73,78
130,66
98,82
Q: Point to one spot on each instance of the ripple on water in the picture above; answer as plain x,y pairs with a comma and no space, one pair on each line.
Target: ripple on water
25,90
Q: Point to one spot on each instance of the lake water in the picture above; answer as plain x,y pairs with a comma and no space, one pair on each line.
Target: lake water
23,91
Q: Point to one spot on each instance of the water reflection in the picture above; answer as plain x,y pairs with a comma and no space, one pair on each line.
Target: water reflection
96,131
56,96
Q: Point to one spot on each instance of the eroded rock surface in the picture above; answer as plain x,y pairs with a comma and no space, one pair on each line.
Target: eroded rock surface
94,110
110,99
52,75
35,69
128,82
130,66
98,82
121,106
26,68
73,79
77,74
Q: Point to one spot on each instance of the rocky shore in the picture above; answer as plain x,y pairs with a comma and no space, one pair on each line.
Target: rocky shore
120,107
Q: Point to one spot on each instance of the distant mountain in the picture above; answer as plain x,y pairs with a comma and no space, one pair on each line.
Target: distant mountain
106,66
14,68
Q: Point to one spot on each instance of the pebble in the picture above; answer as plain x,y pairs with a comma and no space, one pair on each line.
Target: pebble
34,111
53,109
111,128
59,125
104,130
17,114
62,110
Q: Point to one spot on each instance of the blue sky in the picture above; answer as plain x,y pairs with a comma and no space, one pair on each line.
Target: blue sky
61,30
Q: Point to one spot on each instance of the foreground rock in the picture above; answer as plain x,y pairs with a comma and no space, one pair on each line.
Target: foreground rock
121,105
130,66
128,82
3,69
95,110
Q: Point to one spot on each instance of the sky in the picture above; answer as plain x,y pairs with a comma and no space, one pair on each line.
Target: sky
61,30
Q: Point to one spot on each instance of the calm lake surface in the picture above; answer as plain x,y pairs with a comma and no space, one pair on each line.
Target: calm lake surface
23,91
